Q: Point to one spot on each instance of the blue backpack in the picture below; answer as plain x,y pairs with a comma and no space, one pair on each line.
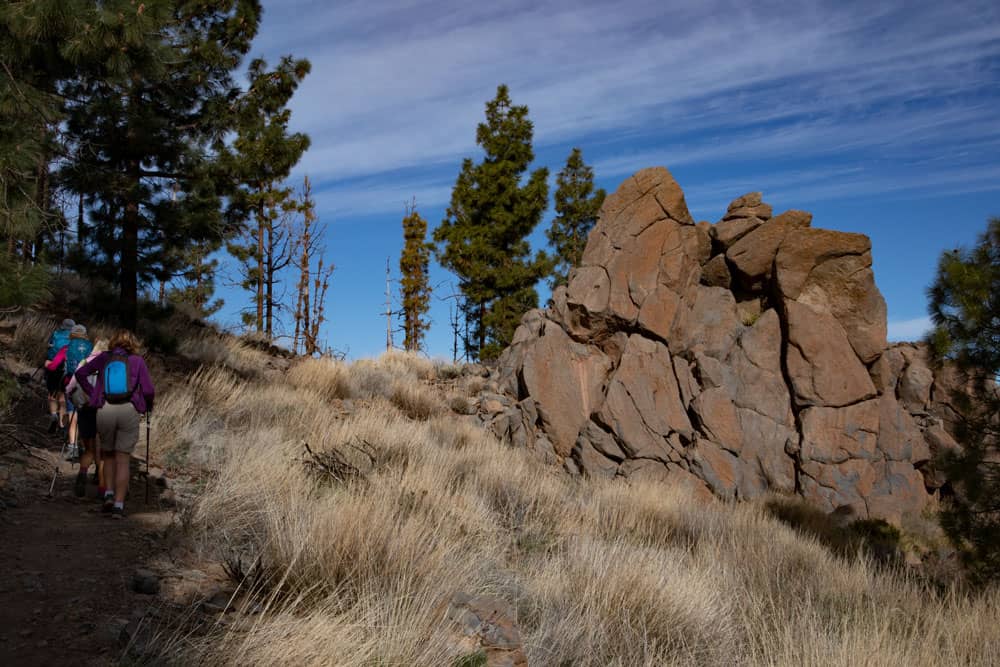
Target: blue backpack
57,341
116,389
77,350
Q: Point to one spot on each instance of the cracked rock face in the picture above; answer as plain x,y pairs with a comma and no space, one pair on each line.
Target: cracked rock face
737,358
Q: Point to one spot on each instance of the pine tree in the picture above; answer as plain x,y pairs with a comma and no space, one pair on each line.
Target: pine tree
197,283
33,61
147,113
263,155
415,286
965,307
483,238
577,208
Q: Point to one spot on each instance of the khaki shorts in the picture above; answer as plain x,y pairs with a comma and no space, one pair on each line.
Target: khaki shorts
118,427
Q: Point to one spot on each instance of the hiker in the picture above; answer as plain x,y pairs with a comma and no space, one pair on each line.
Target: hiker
54,375
86,424
123,391
77,350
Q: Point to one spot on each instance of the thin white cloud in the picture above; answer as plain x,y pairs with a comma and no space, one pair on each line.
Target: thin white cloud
909,330
397,84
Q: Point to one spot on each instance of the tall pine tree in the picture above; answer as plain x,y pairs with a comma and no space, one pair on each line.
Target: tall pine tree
483,238
414,281
262,156
577,208
965,307
33,61
148,112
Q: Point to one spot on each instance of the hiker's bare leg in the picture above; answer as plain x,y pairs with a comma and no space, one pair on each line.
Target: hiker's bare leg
87,457
121,474
72,426
109,470
53,405
61,399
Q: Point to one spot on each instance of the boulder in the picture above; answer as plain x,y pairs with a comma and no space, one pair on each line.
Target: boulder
718,420
716,273
564,379
643,403
752,256
822,366
831,272
482,626
728,232
748,206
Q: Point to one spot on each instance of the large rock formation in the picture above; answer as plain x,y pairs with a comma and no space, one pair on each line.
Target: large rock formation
740,357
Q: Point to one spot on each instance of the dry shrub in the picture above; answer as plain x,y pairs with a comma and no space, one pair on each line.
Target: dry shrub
379,376
327,377
473,385
369,380
459,404
400,363
31,337
414,399
444,370
204,348
214,349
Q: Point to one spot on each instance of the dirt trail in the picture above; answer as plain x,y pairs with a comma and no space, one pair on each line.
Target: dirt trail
66,570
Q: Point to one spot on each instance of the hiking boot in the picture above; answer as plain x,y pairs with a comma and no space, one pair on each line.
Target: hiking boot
107,506
72,452
53,424
117,512
80,485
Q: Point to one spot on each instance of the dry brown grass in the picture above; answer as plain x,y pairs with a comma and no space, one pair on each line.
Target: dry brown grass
600,573
415,400
211,348
327,377
31,337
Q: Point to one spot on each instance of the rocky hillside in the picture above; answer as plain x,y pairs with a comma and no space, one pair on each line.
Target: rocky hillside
737,357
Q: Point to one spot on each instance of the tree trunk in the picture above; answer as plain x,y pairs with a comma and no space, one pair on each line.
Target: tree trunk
270,282
79,226
260,268
199,279
129,300
482,330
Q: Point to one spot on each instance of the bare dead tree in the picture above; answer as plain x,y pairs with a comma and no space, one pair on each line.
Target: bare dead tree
312,286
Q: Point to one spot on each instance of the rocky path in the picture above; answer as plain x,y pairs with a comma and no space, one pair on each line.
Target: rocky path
66,571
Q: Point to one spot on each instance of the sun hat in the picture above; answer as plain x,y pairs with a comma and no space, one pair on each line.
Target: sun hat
68,323
78,331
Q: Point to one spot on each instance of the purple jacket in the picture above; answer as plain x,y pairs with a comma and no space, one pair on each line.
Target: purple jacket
137,373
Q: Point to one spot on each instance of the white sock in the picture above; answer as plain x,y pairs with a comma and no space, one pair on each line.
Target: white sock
119,505
109,495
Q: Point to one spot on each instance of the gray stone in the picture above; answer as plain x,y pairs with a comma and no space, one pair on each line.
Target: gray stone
145,582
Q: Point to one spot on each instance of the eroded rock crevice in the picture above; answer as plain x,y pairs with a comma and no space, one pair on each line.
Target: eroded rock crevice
734,358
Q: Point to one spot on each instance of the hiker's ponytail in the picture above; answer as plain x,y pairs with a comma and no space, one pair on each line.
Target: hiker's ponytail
125,340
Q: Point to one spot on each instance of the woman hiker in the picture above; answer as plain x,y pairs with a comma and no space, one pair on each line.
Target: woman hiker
78,349
123,391
87,425
54,374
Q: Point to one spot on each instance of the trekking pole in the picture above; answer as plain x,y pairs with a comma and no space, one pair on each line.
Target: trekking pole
149,414
55,473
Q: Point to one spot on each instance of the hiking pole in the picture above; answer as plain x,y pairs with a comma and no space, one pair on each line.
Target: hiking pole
55,473
149,415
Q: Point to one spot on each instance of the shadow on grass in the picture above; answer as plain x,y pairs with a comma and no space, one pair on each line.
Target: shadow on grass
875,538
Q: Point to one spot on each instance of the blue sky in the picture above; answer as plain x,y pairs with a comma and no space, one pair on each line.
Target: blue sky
880,118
